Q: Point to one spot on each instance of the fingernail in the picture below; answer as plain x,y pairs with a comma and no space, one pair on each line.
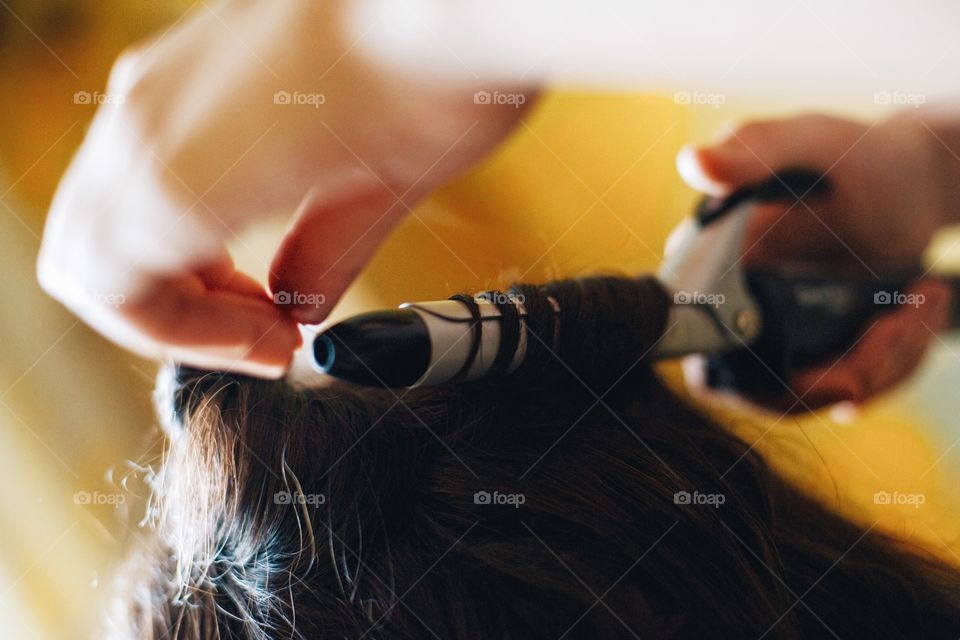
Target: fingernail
844,412
308,315
267,372
691,170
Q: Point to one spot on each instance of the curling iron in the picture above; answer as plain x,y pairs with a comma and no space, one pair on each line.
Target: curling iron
755,325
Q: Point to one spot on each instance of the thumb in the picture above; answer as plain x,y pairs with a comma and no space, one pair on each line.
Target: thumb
755,151
325,248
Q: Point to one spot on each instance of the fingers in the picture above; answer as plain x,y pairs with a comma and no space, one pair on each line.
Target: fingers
891,349
222,275
753,152
324,250
780,232
234,328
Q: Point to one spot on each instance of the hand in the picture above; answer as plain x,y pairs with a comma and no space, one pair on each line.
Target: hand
243,112
888,196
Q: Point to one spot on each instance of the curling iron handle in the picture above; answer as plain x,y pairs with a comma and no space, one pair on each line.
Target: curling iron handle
806,320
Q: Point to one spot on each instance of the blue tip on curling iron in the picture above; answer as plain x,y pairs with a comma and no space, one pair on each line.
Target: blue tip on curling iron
755,325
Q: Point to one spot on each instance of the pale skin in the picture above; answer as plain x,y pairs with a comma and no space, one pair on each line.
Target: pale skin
194,146
177,165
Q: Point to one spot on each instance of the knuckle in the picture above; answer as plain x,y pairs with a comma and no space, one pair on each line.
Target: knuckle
126,71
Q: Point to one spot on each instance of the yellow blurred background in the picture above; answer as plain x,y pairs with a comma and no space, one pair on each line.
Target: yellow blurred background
586,184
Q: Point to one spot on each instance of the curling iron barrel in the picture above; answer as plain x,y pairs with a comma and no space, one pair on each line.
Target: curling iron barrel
427,343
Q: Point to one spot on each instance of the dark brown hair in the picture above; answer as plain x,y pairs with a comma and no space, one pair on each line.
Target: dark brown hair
576,498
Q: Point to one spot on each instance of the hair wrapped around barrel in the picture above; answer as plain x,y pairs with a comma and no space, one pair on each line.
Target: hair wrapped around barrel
595,329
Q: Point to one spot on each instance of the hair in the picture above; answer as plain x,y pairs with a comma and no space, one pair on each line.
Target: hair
546,504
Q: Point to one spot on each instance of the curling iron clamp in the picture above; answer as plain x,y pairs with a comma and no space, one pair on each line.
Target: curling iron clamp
754,325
